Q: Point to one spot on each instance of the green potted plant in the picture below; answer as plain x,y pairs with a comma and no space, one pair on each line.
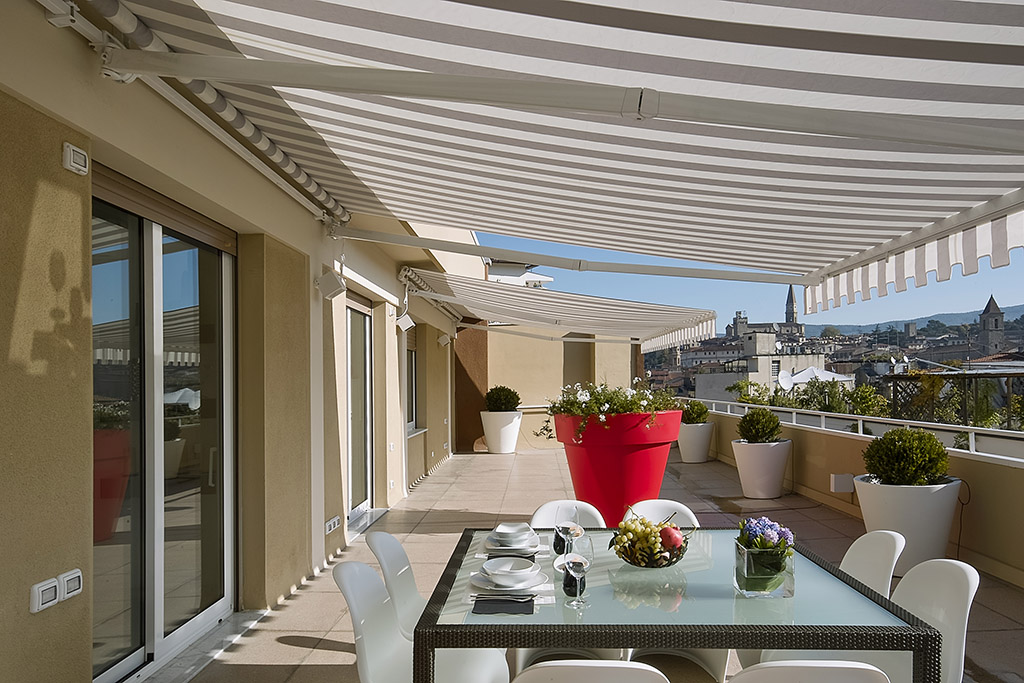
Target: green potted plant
907,489
616,442
761,456
501,420
695,433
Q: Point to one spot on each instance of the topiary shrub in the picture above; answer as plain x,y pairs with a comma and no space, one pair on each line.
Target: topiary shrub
501,399
759,425
906,457
695,413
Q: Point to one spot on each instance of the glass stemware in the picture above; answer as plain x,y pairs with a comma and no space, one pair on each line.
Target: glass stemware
567,528
578,563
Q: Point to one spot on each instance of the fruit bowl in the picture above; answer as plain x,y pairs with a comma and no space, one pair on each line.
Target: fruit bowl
643,543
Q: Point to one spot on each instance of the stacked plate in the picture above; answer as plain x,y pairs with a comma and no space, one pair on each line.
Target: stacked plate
515,537
508,573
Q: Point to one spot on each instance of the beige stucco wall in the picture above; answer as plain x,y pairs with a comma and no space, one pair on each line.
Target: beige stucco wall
388,423
534,368
274,419
986,522
436,393
335,334
46,376
612,363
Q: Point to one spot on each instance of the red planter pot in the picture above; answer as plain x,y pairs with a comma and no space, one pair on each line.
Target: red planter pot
111,467
620,461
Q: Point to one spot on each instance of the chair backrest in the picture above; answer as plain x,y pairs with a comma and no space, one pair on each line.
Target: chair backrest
590,671
399,579
544,516
807,671
658,509
872,558
383,655
941,592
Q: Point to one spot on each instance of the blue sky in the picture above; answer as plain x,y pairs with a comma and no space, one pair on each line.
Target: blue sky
766,303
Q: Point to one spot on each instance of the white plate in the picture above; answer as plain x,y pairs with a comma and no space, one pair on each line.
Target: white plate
510,567
530,544
481,580
511,529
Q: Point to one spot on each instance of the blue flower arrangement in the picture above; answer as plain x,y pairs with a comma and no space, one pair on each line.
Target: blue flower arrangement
764,534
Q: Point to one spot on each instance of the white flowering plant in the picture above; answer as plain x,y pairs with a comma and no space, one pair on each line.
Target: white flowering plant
601,400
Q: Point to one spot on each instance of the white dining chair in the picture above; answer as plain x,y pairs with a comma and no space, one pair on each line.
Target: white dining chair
809,671
939,592
585,671
872,558
399,579
714,662
384,655
658,510
544,518
589,516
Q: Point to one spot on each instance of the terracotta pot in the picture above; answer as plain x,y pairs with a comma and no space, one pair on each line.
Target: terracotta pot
111,467
620,461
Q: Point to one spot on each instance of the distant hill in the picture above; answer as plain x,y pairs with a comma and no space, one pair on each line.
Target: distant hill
1010,312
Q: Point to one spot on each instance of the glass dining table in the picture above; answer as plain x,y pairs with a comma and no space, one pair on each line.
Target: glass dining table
692,604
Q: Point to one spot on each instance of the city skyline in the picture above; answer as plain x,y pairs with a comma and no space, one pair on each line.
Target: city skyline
766,302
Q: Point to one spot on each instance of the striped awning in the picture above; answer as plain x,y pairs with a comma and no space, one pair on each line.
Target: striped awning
654,326
842,213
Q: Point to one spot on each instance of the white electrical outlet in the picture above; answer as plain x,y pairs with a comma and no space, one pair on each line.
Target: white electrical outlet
444,446
391,446
44,594
69,584
332,524
841,483
391,484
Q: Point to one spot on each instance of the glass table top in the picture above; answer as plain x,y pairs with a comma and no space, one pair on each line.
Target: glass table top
697,590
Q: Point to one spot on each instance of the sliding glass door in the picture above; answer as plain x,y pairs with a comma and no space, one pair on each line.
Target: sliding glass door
162,337
360,393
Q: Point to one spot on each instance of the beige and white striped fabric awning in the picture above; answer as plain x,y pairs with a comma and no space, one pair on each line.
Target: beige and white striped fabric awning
654,326
851,145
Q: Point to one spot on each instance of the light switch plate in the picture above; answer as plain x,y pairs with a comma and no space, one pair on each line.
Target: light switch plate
69,584
44,594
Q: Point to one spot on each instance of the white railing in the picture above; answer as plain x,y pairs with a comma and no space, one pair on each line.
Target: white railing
1002,446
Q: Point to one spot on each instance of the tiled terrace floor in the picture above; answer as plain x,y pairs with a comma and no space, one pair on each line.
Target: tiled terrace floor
309,638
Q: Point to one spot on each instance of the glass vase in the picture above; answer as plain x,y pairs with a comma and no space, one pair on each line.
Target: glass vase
763,573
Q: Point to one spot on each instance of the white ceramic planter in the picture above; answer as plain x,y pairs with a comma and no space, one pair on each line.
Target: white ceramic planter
695,441
923,514
501,430
762,467
172,457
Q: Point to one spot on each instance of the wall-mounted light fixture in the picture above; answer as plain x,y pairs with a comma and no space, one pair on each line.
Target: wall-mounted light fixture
405,322
330,284
444,340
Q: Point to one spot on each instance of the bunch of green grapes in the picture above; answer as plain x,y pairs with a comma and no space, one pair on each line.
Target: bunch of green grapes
640,542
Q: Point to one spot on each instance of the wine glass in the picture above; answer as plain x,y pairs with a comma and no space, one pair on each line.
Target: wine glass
578,563
566,524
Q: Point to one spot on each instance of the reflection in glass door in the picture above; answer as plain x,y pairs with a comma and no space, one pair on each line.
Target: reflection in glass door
359,413
162,414
118,566
193,523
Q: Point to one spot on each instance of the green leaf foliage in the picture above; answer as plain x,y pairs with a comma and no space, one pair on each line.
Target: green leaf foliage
501,399
906,457
695,413
760,425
